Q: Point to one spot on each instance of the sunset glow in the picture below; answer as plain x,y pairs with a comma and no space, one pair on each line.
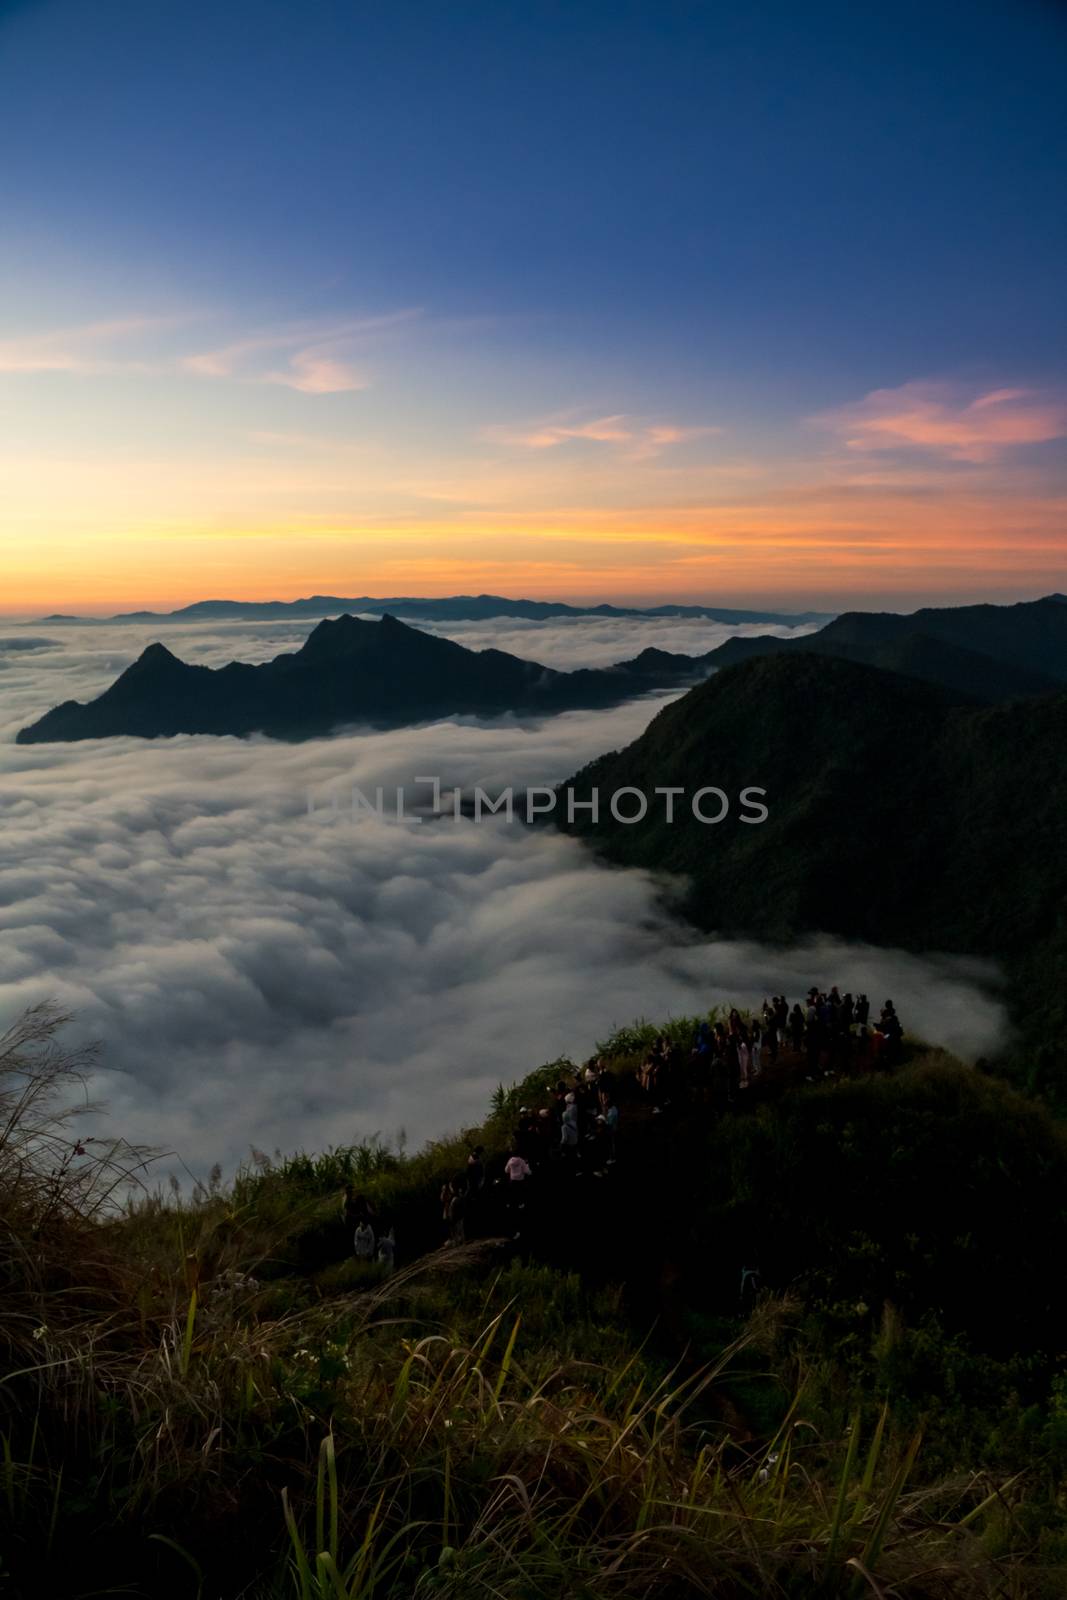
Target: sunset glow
216,379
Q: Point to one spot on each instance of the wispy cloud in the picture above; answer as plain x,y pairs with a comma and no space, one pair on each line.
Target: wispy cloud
89,348
315,358
636,438
320,357
948,420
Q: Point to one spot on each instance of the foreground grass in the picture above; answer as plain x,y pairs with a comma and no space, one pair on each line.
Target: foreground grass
203,1398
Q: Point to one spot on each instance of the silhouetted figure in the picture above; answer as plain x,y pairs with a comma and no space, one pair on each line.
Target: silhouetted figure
457,1212
476,1169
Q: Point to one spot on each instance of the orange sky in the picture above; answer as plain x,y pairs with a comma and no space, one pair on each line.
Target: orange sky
130,482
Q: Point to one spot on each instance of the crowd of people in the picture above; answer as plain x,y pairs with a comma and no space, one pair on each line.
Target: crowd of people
723,1066
827,1034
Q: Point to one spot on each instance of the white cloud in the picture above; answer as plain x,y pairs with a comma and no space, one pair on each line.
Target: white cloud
259,976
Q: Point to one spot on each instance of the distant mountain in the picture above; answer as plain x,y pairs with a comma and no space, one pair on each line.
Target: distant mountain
453,608
988,652
899,813
347,671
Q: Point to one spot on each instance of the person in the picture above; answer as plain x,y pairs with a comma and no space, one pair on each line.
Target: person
387,1250
457,1212
363,1242
526,1133
476,1169
545,1137
889,1026
863,1010
608,1122
796,1027
517,1168
733,1066
587,1096
516,1176
569,1127
744,1060
813,1040
769,1031
755,1051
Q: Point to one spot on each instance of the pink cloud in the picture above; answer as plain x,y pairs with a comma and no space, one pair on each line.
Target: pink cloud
545,436
947,420
638,439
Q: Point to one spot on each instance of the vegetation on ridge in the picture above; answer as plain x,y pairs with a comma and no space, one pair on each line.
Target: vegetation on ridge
208,1396
898,814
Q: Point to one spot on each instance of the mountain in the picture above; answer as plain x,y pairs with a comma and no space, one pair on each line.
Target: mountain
383,673
988,652
453,608
899,813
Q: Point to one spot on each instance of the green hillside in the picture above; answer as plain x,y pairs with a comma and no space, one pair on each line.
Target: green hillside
208,1396
898,814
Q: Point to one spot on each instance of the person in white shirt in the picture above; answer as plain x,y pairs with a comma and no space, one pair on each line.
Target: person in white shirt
569,1126
517,1173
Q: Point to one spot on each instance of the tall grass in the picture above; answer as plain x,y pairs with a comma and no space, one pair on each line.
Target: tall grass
194,1414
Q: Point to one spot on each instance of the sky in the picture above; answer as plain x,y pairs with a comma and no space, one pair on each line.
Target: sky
261,976
628,301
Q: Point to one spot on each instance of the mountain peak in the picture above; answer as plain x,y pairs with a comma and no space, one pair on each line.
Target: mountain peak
156,655
337,635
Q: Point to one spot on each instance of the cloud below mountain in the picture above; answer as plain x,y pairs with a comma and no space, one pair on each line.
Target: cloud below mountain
261,976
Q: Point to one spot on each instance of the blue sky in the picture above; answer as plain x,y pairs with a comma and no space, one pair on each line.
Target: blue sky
427,235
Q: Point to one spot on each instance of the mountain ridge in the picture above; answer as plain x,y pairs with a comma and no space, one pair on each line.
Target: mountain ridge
382,673
449,608
900,813
990,652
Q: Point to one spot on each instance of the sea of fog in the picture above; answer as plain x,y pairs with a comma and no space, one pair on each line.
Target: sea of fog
259,976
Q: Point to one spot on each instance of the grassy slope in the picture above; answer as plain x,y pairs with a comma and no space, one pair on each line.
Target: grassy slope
501,1426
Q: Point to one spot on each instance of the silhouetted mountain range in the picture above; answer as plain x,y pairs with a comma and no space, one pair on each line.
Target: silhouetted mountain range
387,673
451,608
987,652
347,671
899,813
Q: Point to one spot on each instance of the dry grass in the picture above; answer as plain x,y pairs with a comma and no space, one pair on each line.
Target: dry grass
205,1438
